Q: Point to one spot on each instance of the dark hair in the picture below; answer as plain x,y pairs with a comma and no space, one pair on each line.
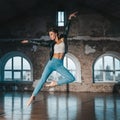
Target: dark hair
53,29
61,36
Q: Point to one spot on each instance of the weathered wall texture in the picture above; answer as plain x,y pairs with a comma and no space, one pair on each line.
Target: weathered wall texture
85,51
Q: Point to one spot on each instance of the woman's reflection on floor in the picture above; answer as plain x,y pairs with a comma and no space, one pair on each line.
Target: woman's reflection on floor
60,106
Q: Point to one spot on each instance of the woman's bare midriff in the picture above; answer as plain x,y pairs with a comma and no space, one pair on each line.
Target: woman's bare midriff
58,55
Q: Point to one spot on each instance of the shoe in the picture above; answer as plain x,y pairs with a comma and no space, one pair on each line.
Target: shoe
31,99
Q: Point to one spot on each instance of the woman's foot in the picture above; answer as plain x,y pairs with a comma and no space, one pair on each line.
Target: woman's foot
31,99
52,84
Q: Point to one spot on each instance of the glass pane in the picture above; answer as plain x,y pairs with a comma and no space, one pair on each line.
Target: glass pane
99,65
64,62
17,75
117,76
8,75
98,76
54,76
26,75
71,65
117,64
58,16
26,64
109,76
17,63
73,73
108,60
62,16
8,65
61,24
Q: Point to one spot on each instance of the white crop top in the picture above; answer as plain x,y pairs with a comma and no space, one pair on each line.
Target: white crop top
59,48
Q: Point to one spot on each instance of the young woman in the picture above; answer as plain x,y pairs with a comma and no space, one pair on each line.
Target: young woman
57,53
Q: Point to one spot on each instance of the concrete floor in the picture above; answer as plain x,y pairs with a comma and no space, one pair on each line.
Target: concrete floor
60,106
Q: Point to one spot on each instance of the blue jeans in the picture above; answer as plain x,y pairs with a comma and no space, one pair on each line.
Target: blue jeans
54,65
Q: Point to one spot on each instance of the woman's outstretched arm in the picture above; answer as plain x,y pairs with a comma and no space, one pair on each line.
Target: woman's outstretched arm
36,42
66,30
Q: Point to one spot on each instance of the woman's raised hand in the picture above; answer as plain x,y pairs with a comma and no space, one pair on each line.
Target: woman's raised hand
72,15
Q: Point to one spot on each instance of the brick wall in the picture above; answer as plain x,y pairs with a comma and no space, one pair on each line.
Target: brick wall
85,55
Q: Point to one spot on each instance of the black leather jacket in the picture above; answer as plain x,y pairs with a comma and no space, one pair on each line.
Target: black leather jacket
51,43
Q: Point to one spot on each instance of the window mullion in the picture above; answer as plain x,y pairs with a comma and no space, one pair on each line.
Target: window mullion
103,70
12,70
21,68
114,69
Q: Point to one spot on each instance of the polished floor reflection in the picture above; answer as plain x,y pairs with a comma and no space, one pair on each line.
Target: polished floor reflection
60,106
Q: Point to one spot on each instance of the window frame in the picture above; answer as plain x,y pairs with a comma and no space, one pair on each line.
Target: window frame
114,55
77,65
11,55
62,21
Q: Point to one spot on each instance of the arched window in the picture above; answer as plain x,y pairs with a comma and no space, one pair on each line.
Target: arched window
72,64
16,67
107,68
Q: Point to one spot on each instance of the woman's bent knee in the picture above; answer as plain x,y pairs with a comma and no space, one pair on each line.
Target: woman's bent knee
72,79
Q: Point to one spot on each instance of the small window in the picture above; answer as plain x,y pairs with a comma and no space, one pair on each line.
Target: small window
60,18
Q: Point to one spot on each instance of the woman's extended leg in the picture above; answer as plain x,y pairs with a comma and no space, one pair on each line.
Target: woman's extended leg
47,71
